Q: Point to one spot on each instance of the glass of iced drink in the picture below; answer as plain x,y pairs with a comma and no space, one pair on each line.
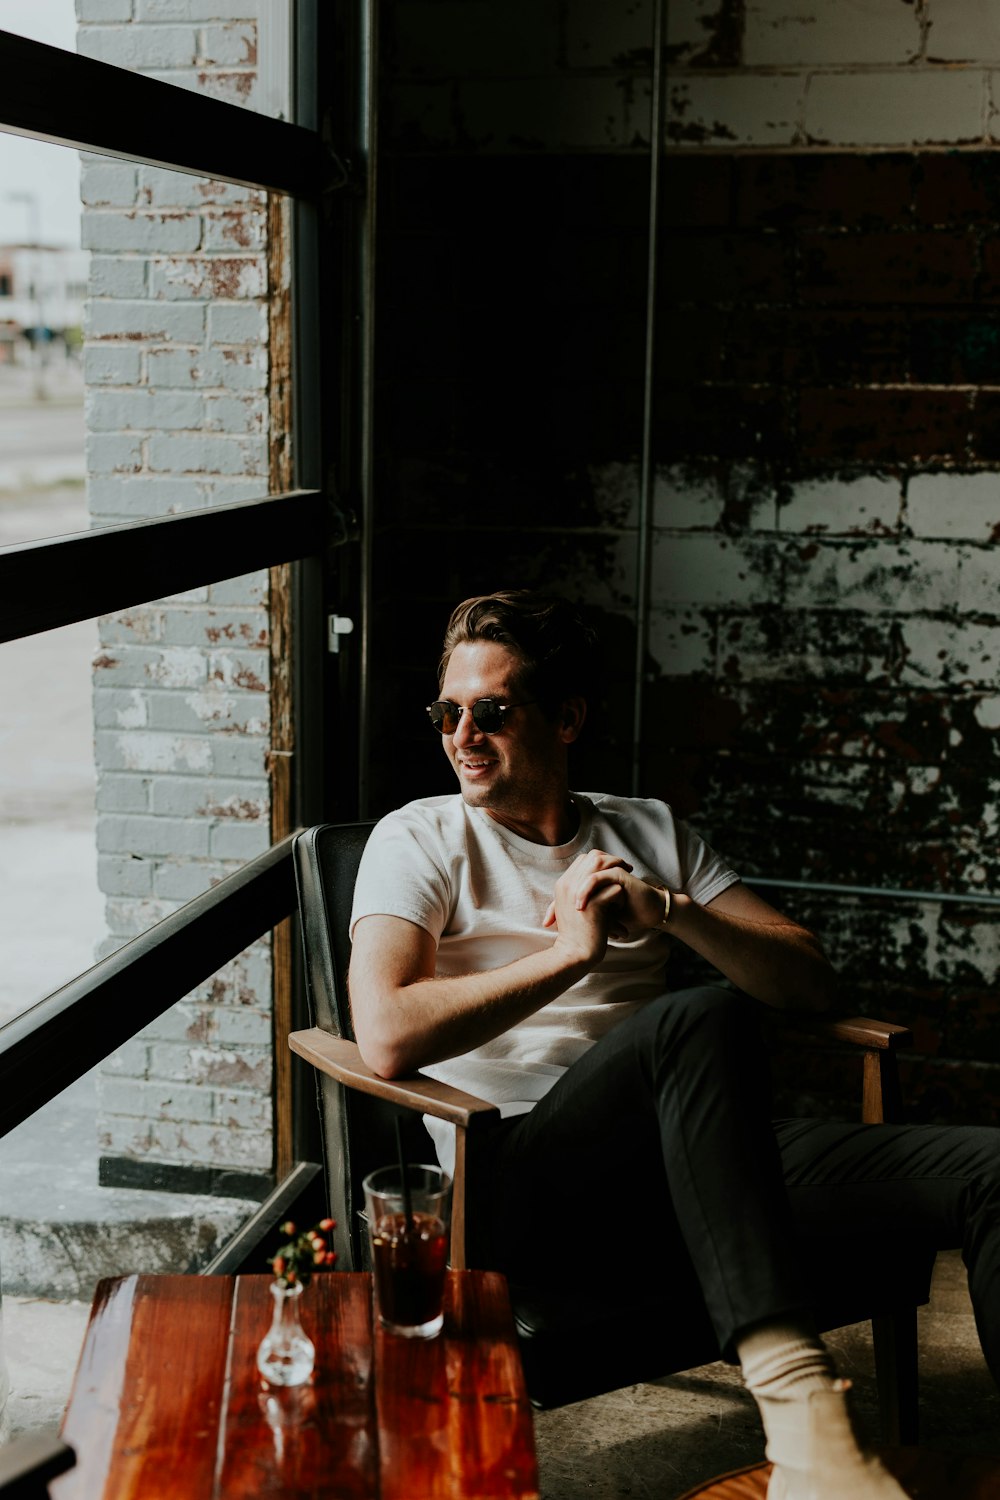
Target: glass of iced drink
408,1233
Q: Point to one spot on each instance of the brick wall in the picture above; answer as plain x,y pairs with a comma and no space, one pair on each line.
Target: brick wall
821,684
801,73
177,371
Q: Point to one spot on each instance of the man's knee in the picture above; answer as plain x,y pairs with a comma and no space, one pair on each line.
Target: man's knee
978,1147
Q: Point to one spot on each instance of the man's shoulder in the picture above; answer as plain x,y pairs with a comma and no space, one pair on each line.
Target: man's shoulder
644,825
629,809
442,814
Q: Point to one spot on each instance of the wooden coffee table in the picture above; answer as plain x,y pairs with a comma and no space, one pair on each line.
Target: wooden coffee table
167,1400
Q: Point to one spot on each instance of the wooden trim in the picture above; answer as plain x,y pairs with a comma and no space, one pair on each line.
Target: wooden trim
860,1031
280,764
459,1258
61,1038
342,1060
52,94
881,1100
47,584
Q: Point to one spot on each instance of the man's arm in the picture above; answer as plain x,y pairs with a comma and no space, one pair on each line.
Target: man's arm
763,952
405,1018
756,947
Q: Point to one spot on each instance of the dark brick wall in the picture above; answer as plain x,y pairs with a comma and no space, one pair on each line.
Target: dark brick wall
842,310
821,693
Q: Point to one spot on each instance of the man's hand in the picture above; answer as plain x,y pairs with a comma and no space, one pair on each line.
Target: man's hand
598,890
758,948
588,906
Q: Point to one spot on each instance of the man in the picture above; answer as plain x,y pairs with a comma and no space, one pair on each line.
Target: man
512,940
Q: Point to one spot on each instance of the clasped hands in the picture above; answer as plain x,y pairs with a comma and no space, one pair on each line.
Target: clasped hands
599,898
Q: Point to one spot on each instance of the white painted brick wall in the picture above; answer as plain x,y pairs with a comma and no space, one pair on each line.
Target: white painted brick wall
855,73
176,367
921,555
793,32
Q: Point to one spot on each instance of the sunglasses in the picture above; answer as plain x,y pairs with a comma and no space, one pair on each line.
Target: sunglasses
488,714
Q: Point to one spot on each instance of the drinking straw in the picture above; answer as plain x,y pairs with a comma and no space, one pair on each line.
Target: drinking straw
404,1178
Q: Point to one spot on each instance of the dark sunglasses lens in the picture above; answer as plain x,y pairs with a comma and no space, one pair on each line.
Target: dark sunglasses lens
487,716
444,717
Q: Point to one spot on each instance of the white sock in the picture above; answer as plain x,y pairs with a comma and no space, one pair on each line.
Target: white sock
810,1438
784,1360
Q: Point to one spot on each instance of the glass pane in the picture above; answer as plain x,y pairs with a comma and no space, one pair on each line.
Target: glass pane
51,21
52,912
239,54
43,284
194,1084
136,747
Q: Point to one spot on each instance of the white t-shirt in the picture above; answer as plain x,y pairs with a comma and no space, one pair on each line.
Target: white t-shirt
481,892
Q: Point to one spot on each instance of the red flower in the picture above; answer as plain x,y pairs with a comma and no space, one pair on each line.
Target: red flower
294,1263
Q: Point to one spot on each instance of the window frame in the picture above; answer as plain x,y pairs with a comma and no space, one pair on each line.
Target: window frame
60,97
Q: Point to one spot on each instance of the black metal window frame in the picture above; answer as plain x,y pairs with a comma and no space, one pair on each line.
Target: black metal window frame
57,96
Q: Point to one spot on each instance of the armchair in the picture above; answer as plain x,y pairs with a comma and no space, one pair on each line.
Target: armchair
572,1347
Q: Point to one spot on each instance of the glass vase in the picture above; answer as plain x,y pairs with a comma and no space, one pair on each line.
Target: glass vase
286,1355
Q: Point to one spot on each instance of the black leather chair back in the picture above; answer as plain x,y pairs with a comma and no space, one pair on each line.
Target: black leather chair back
358,1131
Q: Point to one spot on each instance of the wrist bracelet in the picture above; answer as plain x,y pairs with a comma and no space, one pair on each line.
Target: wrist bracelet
667,902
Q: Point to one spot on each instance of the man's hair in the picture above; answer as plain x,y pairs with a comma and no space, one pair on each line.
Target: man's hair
550,636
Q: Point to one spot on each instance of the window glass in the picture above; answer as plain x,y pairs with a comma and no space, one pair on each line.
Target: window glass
150,1163
136,765
240,56
53,913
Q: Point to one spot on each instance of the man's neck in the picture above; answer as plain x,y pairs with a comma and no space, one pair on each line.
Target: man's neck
553,827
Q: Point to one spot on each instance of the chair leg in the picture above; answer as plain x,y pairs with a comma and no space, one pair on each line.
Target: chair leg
894,1336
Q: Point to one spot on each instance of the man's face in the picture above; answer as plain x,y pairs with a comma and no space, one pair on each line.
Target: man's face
518,773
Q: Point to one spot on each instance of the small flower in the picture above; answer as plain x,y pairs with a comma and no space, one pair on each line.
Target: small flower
294,1263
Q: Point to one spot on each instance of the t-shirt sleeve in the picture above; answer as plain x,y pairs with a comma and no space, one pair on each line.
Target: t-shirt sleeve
704,873
400,876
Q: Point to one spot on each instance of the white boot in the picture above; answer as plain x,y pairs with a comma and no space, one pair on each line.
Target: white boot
816,1454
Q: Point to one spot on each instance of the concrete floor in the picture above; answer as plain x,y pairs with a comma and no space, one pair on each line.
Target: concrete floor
645,1441
661,1440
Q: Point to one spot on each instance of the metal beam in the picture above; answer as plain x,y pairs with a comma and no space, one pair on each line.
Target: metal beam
888,893
51,583
54,95
47,1048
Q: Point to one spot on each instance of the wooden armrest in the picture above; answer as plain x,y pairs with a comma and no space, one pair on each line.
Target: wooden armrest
342,1060
861,1031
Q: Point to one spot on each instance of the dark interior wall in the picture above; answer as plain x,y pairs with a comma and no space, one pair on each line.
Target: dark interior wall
511,327
821,687
513,215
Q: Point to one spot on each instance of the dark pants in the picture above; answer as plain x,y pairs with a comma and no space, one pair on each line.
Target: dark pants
661,1135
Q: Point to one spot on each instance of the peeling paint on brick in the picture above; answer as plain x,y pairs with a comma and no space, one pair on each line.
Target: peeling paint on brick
182,422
